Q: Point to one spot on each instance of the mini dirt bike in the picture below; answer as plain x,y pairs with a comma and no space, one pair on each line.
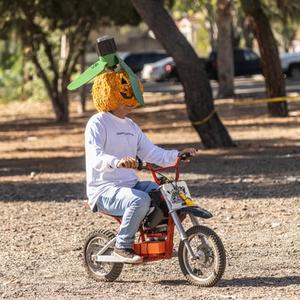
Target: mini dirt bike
201,253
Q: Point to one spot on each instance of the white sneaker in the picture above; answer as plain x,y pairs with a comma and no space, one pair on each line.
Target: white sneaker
128,256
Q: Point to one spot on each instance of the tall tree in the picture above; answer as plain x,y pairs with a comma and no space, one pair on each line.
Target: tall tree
198,93
224,49
219,17
289,11
54,34
208,8
274,79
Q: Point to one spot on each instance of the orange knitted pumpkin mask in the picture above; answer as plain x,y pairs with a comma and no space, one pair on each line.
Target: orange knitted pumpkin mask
112,89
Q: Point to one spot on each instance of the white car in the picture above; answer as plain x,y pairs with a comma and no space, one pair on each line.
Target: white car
290,63
156,71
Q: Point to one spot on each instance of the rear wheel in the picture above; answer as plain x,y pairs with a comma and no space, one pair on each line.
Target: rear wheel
98,270
209,266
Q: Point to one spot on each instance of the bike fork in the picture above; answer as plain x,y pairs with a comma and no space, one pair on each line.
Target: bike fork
194,220
182,233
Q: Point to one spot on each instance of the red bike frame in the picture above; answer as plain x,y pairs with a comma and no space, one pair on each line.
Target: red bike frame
158,169
157,245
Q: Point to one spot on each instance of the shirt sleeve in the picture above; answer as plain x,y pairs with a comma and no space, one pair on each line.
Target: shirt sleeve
96,158
151,153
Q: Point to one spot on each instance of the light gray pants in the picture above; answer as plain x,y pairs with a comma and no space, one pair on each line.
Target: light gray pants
130,203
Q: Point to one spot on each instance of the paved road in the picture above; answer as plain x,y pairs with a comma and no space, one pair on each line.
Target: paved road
243,86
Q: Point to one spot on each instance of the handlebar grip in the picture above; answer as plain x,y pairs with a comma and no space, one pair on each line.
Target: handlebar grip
185,156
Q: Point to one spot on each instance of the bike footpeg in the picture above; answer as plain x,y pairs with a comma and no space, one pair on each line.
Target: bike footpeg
115,259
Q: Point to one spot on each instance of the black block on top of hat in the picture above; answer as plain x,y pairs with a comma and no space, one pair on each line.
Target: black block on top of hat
106,45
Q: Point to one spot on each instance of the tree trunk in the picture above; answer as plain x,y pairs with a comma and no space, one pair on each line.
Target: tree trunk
197,90
274,79
83,88
57,92
285,31
211,19
225,51
60,104
247,35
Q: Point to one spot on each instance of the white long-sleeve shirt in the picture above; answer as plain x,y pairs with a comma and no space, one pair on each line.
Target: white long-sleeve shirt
109,139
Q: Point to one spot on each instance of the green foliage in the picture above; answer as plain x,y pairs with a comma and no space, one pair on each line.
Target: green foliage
11,64
18,79
203,42
288,9
284,16
194,6
34,89
205,12
40,25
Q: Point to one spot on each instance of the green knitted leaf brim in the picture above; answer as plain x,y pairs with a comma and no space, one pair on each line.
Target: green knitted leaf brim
97,68
133,81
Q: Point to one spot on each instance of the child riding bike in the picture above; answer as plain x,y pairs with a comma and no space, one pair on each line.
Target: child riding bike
112,143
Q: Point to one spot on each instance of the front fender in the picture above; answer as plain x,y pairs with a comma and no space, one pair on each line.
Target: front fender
197,212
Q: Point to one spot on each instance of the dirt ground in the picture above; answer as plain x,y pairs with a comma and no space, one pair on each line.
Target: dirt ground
252,190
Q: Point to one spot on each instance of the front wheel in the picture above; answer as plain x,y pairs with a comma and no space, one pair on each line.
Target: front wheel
209,265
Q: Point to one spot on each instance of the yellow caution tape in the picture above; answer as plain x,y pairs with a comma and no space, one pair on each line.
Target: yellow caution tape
206,119
265,100
248,101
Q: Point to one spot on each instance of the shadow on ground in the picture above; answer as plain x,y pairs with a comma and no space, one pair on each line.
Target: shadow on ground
233,173
261,281
246,282
263,168
24,166
42,191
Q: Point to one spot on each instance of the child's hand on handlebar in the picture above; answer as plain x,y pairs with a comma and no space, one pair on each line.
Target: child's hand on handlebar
191,151
186,153
128,162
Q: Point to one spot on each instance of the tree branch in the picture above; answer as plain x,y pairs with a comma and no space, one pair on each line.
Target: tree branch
82,40
34,28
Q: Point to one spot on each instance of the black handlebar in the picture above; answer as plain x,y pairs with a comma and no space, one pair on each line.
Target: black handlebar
143,165
140,164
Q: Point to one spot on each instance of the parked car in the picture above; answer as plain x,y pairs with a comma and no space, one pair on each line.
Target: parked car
290,64
164,69
246,62
136,61
157,71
